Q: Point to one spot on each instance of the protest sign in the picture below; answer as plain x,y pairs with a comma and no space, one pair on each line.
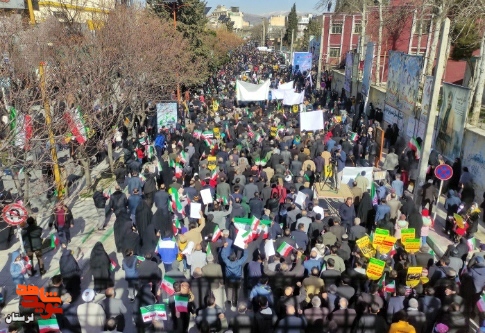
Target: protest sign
375,268
365,247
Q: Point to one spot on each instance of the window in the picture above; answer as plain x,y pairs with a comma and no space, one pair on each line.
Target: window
423,27
334,52
336,28
357,28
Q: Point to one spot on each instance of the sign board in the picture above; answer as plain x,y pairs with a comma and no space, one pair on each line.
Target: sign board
407,234
412,245
365,247
443,172
211,162
273,131
413,276
379,236
217,132
167,114
14,214
375,269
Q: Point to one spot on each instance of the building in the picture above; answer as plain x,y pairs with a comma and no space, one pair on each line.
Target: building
302,25
405,28
277,21
221,15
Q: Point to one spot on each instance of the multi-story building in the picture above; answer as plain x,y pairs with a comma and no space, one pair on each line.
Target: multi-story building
221,14
406,28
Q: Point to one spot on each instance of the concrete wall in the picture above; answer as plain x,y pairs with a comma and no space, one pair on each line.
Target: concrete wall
473,153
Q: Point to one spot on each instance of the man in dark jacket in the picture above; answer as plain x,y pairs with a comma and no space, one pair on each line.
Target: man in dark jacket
162,199
291,323
371,322
347,213
32,237
100,204
264,319
256,206
118,201
233,271
149,187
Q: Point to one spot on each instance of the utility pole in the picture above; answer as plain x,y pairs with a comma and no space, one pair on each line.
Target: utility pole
379,46
291,48
281,40
428,137
52,142
320,56
263,42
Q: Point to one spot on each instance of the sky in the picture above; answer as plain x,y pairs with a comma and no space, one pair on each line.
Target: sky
259,7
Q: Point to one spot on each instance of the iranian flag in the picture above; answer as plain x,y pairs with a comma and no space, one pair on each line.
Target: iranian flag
167,285
255,223
353,136
54,241
250,132
176,203
228,132
382,281
178,170
176,226
390,288
197,134
112,265
147,313
214,175
21,126
222,199
181,303
74,119
285,249
183,157
151,152
415,146
373,194
216,234
48,326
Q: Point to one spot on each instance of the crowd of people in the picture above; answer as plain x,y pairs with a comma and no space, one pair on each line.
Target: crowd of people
212,224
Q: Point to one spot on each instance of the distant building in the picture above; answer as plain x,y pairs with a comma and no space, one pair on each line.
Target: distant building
302,25
221,15
277,21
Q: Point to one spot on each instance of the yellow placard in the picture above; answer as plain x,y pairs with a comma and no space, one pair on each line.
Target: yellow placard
412,245
375,268
413,276
459,220
274,130
296,108
379,236
365,247
217,132
211,162
406,234
387,244
328,171
215,106
338,119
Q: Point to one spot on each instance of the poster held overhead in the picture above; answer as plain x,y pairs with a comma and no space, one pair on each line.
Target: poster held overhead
167,114
311,121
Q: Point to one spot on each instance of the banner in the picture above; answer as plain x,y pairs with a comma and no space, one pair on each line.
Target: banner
249,92
426,100
366,77
311,121
403,80
167,114
375,268
454,105
302,61
407,234
291,98
393,116
280,92
412,245
413,276
348,72
415,128
386,244
350,173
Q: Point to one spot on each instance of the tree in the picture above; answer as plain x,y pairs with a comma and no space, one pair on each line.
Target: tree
291,25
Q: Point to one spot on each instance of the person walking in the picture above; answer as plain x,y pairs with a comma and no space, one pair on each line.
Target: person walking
100,267
63,221
18,268
91,315
70,273
233,272
100,204
32,237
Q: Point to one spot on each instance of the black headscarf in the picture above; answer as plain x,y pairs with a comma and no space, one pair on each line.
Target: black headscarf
122,222
68,265
365,206
150,240
144,217
99,262
162,221
415,220
131,240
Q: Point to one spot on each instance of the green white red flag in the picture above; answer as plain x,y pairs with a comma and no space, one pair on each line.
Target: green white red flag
216,234
75,121
284,249
167,285
48,325
416,147
21,126
181,303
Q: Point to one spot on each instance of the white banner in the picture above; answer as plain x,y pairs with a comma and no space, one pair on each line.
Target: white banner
311,121
248,92
292,98
280,92
286,86
167,114
351,173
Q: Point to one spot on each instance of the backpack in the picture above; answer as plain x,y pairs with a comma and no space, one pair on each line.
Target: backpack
131,272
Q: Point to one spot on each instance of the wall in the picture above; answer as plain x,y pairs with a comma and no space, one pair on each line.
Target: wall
473,153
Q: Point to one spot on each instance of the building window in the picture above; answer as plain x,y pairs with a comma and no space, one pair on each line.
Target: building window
336,28
334,52
423,27
357,28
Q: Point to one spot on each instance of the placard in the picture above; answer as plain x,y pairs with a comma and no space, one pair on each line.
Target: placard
273,132
211,162
195,209
300,199
459,220
375,268
217,132
387,244
379,236
413,276
412,245
319,210
206,196
269,248
407,234
365,247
